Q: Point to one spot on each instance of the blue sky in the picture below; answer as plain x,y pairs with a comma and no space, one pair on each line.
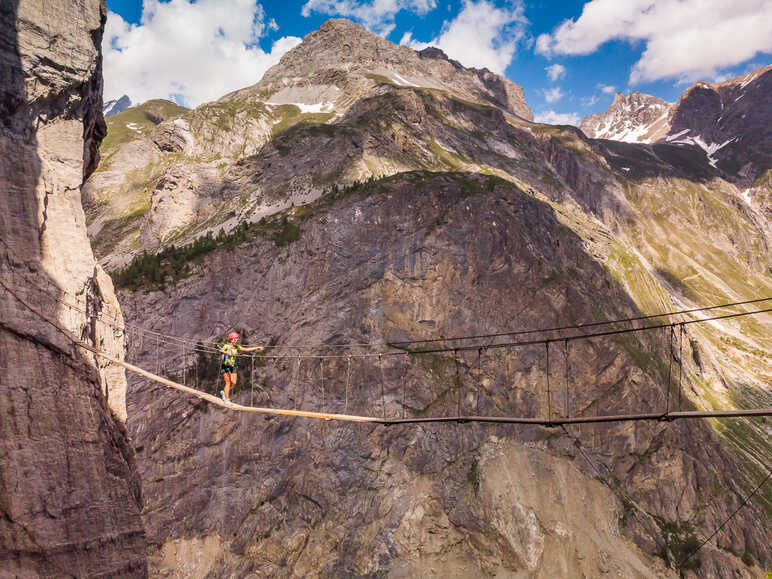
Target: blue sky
569,56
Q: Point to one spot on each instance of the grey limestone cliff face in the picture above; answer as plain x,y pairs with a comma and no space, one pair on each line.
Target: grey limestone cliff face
69,492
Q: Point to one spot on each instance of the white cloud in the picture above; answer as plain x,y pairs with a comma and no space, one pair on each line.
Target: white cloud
556,72
606,88
684,39
589,101
553,118
197,51
543,44
482,35
552,95
377,15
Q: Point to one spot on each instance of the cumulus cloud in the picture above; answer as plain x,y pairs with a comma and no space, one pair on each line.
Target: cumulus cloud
553,95
606,88
553,118
556,72
195,52
482,35
376,15
684,39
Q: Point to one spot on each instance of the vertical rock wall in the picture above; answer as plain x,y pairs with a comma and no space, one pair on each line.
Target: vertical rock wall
70,495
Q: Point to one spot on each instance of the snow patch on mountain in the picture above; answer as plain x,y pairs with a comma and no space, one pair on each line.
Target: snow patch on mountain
633,118
113,107
711,148
402,81
673,138
325,107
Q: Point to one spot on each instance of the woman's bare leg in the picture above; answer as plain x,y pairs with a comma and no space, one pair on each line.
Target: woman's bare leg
227,377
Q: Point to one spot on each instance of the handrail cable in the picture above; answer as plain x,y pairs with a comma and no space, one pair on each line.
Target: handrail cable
433,340
577,326
416,420
575,336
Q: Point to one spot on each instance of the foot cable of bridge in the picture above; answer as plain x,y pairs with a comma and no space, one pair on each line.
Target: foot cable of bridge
767,411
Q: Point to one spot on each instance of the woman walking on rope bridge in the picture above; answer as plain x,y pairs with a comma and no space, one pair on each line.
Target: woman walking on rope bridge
229,365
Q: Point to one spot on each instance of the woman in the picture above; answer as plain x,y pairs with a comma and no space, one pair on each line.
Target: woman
229,365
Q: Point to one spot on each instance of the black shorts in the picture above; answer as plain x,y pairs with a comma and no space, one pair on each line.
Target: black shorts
229,369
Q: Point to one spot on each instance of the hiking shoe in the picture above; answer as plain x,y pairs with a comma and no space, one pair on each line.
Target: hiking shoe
222,395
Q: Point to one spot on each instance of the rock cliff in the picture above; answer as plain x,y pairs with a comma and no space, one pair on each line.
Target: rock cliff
730,121
342,201
411,256
70,496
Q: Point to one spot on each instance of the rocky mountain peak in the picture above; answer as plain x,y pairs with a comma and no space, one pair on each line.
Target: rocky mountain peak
343,62
432,52
636,117
113,107
340,44
729,120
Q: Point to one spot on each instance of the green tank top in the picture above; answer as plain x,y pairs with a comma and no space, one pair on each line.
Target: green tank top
229,353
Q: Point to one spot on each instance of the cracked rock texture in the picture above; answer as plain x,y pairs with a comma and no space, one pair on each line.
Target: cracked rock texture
70,496
413,255
469,218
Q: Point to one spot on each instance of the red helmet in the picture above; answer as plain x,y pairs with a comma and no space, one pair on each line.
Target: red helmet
233,336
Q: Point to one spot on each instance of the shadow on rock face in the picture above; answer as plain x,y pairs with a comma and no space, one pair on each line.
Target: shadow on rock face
69,491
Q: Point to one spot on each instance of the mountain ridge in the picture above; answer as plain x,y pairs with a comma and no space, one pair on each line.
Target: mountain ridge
708,115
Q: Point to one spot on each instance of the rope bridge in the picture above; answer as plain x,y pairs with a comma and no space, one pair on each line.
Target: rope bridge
676,330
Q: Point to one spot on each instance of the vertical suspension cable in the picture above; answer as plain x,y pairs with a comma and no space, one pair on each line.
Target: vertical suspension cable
298,403
157,355
321,373
549,398
252,380
404,387
669,372
459,389
383,395
348,380
565,380
477,404
680,363
455,359
184,366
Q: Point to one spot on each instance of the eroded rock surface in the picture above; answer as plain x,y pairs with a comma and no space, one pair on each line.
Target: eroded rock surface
419,255
70,496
